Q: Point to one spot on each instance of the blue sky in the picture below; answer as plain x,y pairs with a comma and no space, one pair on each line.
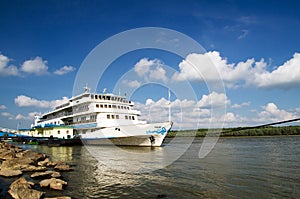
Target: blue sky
253,44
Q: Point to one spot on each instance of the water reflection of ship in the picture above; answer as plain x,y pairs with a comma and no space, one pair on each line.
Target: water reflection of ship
63,153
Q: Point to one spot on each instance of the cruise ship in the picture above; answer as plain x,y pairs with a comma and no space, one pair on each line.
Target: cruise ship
101,119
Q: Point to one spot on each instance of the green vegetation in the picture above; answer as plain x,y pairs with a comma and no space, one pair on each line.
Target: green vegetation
240,131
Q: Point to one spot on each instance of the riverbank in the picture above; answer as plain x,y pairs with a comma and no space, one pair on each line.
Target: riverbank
29,174
239,132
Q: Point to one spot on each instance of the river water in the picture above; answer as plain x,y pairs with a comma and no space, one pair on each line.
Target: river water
249,167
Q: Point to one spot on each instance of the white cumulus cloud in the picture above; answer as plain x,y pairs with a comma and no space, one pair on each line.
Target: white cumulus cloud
285,76
186,114
190,114
132,84
211,66
244,104
25,101
272,113
143,66
214,99
5,68
150,69
29,116
3,107
64,70
8,115
36,66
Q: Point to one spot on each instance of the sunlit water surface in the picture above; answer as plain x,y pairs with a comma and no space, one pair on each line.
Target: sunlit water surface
251,167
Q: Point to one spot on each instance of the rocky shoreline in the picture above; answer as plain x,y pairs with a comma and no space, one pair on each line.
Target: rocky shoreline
28,165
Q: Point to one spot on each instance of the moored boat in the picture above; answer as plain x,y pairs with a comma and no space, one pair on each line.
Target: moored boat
100,119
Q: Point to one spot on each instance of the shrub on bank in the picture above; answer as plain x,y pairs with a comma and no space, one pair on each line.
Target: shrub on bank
241,131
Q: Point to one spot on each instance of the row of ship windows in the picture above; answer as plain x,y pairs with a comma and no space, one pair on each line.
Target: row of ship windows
53,123
127,117
105,97
111,106
80,109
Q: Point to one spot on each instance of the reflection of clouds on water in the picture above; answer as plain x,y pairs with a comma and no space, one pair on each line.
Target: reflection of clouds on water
139,159
129,159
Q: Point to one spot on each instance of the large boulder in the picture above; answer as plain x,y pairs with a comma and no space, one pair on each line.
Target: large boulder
10,173
54,183
34,156
34,168
62,166
8,151
16,163
23,164
22,189
44,162
7,154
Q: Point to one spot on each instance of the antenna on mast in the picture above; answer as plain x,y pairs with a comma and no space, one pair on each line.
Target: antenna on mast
87,89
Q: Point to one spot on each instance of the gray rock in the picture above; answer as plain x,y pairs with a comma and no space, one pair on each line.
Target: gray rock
60,197
21,189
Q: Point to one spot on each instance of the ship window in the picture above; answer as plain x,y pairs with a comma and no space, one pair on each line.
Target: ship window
109,106
114,106
97,105
112,116
129,117
117,116
132,117
67,132
108,116
58,132
108,97
101,105
105,105
96,96
126,117
92,96
119,107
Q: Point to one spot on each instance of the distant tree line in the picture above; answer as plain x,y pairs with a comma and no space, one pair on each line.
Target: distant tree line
240,131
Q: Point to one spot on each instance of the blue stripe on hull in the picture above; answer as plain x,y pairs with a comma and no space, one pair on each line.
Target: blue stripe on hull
79,126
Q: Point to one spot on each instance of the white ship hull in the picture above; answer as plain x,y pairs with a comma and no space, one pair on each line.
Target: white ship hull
129,135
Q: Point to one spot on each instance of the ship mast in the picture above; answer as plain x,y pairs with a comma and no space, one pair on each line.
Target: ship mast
169,99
